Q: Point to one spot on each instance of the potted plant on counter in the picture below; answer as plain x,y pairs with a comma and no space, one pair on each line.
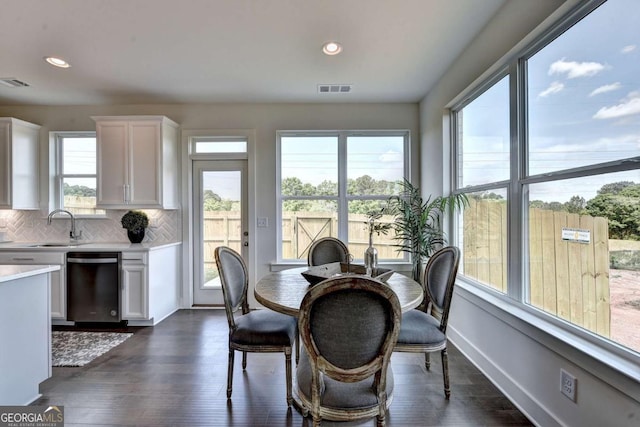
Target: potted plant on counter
135,222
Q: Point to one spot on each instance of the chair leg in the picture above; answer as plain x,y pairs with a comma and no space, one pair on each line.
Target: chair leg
427,361
382,410
445,373
244,360
230,373
287,361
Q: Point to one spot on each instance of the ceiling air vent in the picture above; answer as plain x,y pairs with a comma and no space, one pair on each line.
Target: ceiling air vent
334,88
12,82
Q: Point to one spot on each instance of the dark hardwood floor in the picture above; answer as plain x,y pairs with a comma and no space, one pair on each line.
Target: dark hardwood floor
174,374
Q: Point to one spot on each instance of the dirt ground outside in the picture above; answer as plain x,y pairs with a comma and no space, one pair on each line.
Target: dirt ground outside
624,288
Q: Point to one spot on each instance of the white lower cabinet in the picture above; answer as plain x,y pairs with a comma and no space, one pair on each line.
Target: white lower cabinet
58,285
135,300
150,285
57,279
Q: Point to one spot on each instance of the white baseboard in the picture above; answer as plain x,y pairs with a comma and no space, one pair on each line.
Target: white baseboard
516,393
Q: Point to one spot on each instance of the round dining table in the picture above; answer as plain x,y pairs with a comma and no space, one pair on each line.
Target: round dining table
283,291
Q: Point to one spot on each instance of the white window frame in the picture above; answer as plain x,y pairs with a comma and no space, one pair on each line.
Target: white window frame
513,303
342,198
56,196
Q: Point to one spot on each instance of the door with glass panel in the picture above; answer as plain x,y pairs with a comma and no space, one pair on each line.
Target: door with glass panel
220,219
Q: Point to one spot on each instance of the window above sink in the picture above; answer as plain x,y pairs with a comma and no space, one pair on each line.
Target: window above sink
74,163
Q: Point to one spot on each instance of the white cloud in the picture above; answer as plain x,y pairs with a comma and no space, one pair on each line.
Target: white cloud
628,49
390,156
606,88
574,69
554,87
627,107
622,142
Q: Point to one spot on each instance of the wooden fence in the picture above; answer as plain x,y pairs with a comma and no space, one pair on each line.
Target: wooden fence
81,205
299,230
568,278
221,228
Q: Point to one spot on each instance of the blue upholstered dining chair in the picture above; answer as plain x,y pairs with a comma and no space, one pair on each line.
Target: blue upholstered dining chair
348,326
424,329
259,331
327,250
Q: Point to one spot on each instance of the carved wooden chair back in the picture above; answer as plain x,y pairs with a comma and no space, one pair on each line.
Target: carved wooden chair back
349,326
327,250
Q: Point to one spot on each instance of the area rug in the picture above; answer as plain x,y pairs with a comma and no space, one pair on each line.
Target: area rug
71,348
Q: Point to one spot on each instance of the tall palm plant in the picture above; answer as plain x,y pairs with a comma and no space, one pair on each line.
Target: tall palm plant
418,222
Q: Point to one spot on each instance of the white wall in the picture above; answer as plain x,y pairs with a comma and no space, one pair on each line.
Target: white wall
523,360
265,119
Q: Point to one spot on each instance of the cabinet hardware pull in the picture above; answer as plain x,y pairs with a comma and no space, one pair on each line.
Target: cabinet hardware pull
92,260
23,259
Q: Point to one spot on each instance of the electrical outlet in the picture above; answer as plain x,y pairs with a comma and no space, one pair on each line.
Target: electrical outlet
263,222
568,384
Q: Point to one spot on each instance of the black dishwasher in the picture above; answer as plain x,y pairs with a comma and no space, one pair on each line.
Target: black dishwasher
93,286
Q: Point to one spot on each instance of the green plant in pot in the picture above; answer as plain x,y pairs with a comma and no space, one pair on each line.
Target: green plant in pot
418,222
135,222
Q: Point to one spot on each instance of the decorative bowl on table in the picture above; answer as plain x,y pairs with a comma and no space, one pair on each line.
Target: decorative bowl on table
322,272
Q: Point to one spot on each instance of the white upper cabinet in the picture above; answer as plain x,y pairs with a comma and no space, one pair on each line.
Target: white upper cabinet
19,176
137,162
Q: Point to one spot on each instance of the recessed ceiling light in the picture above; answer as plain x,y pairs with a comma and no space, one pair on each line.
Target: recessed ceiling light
331,48
57,62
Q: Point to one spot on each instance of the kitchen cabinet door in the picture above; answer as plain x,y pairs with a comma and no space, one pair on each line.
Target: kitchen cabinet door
19,176
58,285
134,292
145,168
112,158
137,162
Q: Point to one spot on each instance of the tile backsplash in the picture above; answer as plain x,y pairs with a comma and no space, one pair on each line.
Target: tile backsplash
31,226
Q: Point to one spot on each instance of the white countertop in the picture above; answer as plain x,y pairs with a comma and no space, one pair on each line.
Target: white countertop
84,246
13,272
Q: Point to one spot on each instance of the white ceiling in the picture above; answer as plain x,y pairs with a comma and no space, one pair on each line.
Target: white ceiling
206,51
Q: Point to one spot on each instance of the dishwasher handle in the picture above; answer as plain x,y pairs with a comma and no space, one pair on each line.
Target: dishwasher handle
92,260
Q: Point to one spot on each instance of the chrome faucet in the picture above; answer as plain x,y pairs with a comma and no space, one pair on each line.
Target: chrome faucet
73,235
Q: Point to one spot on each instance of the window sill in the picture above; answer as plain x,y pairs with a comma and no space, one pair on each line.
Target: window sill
590,351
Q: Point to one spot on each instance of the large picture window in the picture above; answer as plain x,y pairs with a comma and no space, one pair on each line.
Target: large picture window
330,181
555,225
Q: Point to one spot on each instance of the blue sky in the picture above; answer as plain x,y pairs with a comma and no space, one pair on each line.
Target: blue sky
584,89
584,106
314,159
